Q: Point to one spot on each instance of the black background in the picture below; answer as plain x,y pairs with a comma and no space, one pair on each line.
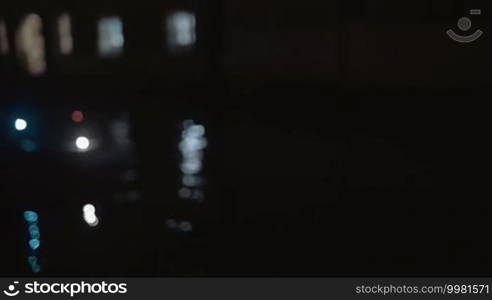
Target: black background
346,138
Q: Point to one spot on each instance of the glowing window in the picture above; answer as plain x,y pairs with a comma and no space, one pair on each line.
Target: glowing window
4,41
110,37
65,34
180,30
30,44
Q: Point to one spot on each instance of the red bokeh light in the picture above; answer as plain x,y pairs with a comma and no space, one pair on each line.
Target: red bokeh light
77,116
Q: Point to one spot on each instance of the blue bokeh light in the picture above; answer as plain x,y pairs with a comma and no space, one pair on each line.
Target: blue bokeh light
30,216
32,260
34,232
34,244
36,268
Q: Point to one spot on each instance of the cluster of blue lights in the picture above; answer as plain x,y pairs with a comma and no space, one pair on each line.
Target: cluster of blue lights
31,217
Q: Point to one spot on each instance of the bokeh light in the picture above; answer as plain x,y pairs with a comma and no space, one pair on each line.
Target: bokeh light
110,36
180,30
89,214
20,124
34,239
30,44
65,34
34,244
4,41
36,268
32,260
34,232
82,143
89,209
30,216
179,226
77,116
185,226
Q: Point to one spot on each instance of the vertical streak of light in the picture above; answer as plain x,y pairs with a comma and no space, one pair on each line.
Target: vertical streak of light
30,44
4,40
65,34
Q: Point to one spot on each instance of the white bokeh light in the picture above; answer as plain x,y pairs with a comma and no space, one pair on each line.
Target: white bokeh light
20,124
110,36
89,213
82,143
181,31
192,145
30,44
65,38
89,209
